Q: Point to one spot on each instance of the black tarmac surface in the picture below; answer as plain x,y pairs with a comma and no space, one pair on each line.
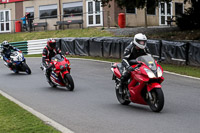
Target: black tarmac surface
93,108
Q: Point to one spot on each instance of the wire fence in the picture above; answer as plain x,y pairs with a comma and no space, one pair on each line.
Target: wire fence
55,22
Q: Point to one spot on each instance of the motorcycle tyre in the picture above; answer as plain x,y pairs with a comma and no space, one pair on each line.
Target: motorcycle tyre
158,96
120,98
27,69
69,80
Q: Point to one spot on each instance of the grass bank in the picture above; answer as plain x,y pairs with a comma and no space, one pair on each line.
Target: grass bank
24,36
14,119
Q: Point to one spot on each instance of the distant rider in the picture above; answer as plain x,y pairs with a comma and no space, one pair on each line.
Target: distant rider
6,52
49,51
135,49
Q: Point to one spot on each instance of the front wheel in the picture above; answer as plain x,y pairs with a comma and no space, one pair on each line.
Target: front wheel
26,68
69,82
157,102
122,98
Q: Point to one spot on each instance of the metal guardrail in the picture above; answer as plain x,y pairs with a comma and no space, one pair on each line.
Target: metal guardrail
21,46
36,46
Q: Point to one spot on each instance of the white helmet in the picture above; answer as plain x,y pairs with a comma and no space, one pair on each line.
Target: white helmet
5,44
140,40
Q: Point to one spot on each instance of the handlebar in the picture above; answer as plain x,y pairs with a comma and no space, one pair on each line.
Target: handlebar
136,67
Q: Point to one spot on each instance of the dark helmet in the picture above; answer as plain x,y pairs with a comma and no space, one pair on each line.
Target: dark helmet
5,44
51,43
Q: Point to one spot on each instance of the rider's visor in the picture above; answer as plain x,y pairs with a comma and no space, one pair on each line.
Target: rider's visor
52,45
141,42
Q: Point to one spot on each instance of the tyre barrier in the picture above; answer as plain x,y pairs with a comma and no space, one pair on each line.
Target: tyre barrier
175,52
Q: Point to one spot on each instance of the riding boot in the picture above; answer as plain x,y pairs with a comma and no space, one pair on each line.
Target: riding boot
48,75
10,66
123,78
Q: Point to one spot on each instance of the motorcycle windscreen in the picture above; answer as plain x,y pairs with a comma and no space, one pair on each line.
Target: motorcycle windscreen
149,61
58,58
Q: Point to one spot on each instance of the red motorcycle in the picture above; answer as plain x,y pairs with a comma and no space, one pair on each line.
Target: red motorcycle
144,85
60,74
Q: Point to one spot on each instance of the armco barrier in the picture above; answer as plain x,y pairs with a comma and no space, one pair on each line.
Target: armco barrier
36,46
21,46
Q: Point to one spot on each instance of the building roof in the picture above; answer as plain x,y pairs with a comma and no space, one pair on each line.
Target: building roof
10,1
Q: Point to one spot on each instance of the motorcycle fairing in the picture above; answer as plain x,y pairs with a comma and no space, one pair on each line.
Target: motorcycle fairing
116,71
140,74
56,79
151,86
135,89
63,74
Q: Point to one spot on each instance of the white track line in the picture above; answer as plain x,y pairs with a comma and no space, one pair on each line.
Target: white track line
182,75
44,118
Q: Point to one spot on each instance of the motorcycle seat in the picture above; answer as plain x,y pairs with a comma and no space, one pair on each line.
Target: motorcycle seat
119,66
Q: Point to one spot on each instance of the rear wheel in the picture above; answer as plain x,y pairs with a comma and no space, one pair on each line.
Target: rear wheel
26,68
122,98
157,102
69,82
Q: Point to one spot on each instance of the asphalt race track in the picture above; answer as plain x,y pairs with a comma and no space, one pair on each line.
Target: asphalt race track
93,108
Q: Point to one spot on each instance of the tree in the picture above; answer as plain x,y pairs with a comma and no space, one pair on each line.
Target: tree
191,18
134,3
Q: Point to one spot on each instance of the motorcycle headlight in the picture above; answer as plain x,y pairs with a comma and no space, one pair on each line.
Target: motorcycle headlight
66,65
61,67
149,73
159,72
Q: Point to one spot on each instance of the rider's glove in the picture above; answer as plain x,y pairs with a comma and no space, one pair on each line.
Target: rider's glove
130,68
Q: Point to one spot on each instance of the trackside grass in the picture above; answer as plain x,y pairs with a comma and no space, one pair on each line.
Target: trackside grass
14,119
24,36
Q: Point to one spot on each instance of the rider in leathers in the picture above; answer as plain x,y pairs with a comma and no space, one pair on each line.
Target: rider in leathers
6,52
135,49
48,52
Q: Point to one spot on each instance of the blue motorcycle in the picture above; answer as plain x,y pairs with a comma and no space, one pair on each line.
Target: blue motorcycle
18,63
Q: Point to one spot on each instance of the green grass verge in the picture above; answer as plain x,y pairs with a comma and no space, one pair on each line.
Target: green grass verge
184,70
24,36
180,69
14,119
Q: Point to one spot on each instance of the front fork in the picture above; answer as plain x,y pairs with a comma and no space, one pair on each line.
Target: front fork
64,73
125,87
150,87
